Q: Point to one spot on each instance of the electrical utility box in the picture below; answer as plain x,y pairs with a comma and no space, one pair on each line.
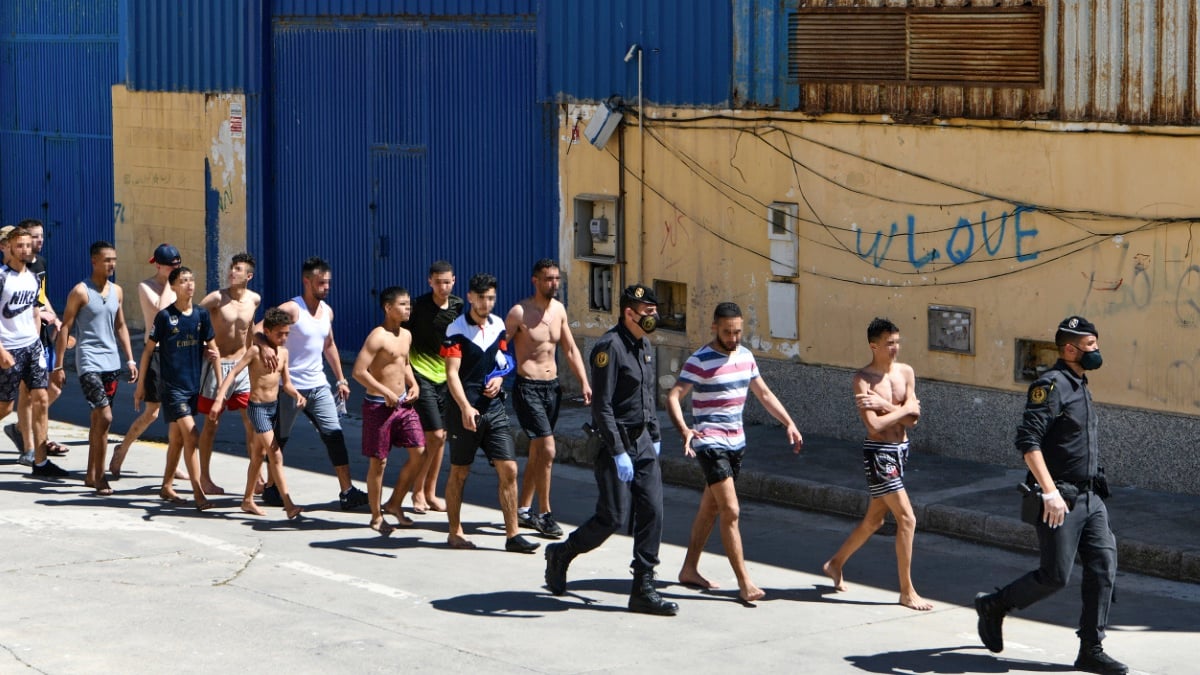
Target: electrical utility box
602,125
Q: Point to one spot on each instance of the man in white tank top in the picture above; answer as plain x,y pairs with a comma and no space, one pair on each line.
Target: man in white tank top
309,344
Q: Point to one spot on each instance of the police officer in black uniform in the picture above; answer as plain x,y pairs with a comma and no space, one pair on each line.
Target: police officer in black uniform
1058,436
627,471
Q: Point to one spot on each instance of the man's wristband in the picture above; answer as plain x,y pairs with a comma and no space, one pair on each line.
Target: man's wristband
1047,496
131,362
343,382
57,369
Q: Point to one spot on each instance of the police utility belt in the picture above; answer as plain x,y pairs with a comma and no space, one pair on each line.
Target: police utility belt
1031,494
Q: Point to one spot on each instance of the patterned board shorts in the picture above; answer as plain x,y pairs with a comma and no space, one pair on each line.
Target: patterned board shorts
99,388
883,463
27,368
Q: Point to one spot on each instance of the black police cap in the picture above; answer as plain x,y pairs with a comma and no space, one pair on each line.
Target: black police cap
1077,325
640,293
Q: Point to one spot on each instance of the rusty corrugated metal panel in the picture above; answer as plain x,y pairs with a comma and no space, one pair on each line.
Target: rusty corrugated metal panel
841,46
1102,60
993,47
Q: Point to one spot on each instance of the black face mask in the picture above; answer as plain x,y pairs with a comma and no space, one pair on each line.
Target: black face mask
1091,360
648,322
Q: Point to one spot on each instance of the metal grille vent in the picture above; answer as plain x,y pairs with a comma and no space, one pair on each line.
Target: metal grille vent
976,47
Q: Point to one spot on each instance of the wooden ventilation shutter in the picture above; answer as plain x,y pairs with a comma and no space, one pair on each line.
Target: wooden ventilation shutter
846,46
999,48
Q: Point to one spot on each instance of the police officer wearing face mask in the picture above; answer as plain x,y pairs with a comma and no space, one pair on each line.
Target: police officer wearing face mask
627,471
1058,436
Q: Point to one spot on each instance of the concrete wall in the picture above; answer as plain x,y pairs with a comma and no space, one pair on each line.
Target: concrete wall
1022,223
179,171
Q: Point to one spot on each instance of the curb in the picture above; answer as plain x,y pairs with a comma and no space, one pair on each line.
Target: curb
952,521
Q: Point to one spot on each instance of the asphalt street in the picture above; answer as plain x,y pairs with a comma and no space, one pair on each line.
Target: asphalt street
128,583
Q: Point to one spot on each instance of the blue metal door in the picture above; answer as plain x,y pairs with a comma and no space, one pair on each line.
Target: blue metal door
399,142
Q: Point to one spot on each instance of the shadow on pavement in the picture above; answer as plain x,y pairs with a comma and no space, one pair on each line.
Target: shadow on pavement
950,660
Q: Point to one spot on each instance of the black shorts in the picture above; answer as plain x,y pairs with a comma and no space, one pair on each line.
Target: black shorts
150,380
99,387
718,465
492,434
178,405
536,403
431,402
27,368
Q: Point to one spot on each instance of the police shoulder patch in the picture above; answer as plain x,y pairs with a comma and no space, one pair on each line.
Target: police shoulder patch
600,359
1037,395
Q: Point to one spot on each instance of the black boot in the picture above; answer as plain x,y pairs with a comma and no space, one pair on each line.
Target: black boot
558,558
1092,659
645,599
991,610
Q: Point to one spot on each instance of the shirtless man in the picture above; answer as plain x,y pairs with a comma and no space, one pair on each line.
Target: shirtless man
232,310
389,418
154,295
262,405
886,396
536,326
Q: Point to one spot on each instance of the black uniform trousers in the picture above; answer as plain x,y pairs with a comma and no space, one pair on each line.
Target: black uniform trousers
1085,530
616,500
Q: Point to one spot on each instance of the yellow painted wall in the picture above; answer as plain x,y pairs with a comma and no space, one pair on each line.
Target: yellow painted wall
1101,223
161,142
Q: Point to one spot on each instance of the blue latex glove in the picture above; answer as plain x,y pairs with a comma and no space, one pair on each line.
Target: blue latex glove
624,467
657,448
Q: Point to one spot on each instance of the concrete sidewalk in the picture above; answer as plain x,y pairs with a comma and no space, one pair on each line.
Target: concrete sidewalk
1157,533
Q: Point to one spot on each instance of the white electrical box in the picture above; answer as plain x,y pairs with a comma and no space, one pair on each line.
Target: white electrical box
602,125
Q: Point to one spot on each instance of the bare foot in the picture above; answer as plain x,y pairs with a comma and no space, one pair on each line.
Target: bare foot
419,506
114,465
381,526
693,578
914,601
456,541
436,504
250,507
834,572
180,474
398,514
103,489
170,497
258,486
750,593
293,512
203,504
88,482
211,488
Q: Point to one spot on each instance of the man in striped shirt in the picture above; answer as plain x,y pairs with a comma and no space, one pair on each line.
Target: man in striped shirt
718,376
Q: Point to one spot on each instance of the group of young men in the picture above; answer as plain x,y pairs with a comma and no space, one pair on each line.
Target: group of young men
433,373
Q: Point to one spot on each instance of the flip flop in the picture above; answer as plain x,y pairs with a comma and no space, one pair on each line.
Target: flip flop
55,449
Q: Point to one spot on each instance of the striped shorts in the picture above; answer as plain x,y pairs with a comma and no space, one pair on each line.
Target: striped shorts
883,464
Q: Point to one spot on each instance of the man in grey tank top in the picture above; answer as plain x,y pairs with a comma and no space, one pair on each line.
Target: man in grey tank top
94,310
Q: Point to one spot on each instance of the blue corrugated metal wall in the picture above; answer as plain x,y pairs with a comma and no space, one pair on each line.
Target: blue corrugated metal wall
688,50
348,8
399,141
194,45
58,62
